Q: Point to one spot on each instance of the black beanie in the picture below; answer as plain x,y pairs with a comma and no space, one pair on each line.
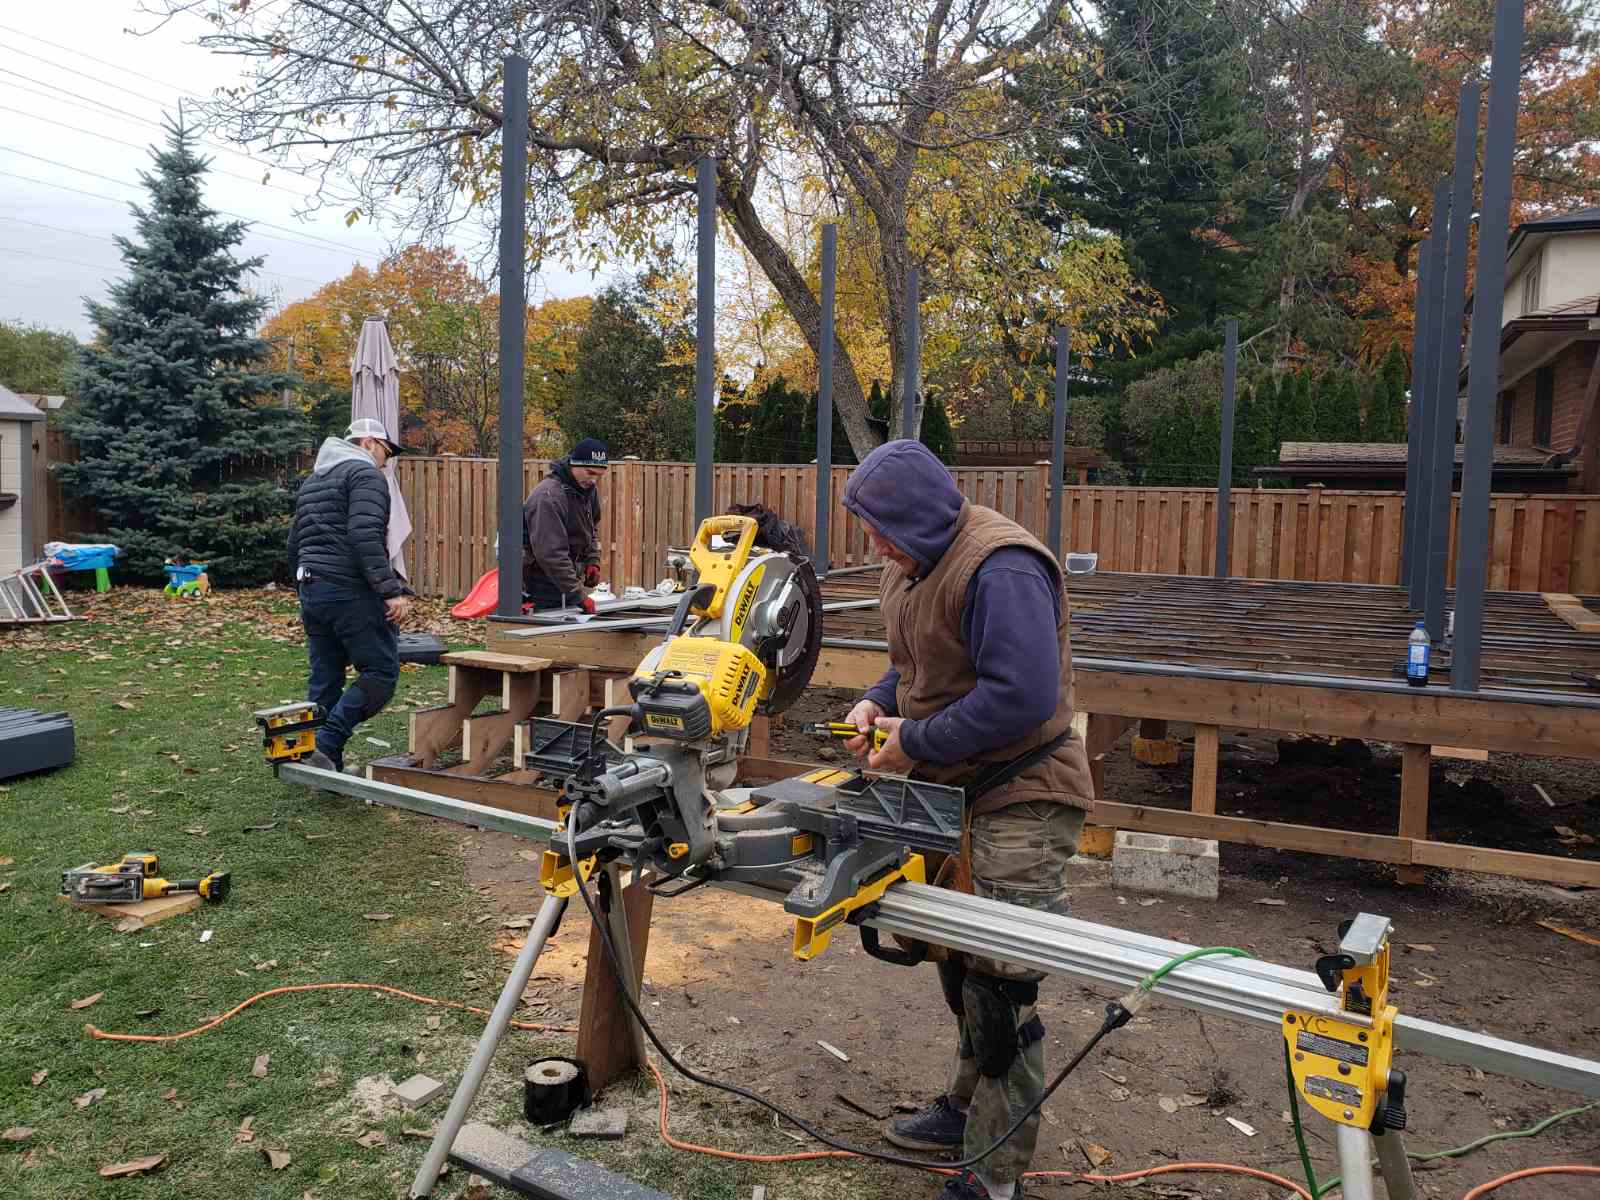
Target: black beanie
591,452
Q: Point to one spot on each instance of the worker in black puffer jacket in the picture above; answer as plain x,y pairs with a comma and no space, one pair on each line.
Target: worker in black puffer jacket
351,600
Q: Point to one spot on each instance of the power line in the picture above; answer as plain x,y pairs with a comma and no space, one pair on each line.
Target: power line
135,146
100,237
117,113
328,244
39,58
33,37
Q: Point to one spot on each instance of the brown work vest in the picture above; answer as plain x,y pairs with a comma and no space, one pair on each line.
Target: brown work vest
925,647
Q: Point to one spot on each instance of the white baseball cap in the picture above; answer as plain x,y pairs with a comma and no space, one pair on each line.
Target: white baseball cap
371,427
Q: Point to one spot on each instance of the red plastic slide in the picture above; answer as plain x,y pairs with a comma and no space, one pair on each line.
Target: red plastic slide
481,600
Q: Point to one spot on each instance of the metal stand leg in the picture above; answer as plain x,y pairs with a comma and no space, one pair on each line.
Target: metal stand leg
467,1090
1355,1162
1394,1164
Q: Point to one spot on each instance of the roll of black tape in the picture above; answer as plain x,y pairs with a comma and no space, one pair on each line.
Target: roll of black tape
553,1089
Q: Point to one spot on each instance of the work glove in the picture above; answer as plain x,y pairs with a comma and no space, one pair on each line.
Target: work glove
587,605
591,575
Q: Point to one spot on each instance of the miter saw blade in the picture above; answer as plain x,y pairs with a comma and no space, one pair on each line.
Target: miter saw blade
798,658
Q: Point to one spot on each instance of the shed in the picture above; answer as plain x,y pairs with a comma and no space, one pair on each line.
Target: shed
20,426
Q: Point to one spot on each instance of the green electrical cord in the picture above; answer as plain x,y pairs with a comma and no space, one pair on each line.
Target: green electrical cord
1454,1152
1150,980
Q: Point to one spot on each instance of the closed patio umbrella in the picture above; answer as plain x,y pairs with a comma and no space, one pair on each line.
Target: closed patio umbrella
375,392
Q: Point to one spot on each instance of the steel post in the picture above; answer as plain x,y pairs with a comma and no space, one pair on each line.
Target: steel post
1230,362
1477,465
705,348
830,259
913,352
1354,1147
1415,421
467,1090
1447,374
1058,440
1427,419
513,317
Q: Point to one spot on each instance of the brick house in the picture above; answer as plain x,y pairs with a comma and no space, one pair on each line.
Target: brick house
1549,336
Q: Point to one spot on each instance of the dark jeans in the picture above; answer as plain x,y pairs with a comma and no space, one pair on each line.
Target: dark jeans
541,593
344,627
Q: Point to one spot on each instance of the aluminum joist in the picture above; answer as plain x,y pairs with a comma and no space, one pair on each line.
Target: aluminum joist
1242,988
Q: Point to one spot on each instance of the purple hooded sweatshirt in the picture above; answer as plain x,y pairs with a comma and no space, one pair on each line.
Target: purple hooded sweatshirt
1008,620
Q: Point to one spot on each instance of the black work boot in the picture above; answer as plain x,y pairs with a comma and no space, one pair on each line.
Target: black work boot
966,1186
323,762
940,1126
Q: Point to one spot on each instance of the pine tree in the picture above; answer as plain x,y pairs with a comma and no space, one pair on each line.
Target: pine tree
1296,417
937,435
1341,422
1386,408
181,445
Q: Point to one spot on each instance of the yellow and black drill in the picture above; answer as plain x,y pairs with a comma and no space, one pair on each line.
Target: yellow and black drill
135,878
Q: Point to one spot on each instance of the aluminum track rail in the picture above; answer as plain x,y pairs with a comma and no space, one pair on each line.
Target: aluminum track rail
1244,989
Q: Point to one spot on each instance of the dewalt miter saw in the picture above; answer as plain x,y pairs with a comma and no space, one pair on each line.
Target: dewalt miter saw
744,639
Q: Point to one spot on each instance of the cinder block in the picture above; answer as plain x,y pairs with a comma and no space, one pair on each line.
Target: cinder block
1166,865
1155,752
610,1123
418,1090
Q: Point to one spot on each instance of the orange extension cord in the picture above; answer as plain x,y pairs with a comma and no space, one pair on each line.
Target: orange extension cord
1483,1189
736,1156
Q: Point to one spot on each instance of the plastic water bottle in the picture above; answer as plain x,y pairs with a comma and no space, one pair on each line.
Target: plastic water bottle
1417,650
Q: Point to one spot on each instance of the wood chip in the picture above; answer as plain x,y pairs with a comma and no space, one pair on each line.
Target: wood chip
135,1166
40,1076
123,705
1544,795
129,925
1274,903
267,965
1422,947
432,1022
1191,1100
1097,1155
407,1131
260,1069
17,1133
1243,1127
378,916
1168,1105
88,1098
86,1001
372,1139
834,1050
1120,1094
277,1160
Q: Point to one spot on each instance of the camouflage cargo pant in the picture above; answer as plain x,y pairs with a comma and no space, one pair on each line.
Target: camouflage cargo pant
1019,856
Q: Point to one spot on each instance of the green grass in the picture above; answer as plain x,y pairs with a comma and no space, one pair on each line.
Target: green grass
179,771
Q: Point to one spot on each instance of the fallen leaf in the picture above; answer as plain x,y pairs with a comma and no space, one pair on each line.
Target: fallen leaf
40,1076
432,1022
89,1097
1423,946
6,860
1243,1127
407,1131
128,925
267,965
197,830
144,1014
124,808
87,1000
244,1133
517,923
1114,1077
532,856
122,704
1168,1105
1191,1100
1273,903
1422,981
260,1069
260,828
17,1133
1120,1093
135,1166
5,887
1097,1155
372,1139
1148,903
277,1160
170,1094
378,916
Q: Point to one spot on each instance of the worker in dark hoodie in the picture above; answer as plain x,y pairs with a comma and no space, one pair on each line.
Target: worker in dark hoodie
978,694
561,550
351,600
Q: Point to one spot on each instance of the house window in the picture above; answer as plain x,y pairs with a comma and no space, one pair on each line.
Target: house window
1544,402
1530,285
1507,400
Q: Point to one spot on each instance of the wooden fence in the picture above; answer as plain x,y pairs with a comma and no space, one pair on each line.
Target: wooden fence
1537,543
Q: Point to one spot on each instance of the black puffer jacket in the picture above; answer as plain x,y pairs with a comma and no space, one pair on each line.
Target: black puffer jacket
340,529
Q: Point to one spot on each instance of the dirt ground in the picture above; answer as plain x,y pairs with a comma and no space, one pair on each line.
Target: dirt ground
721,984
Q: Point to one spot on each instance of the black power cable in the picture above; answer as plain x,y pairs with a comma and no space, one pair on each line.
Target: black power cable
1116,1016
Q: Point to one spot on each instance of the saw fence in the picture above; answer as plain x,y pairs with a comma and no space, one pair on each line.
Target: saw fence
1278,656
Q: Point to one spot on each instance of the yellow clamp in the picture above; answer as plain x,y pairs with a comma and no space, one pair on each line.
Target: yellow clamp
812,934
556,876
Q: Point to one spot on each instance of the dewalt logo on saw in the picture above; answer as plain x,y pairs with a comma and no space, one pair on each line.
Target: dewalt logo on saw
747,597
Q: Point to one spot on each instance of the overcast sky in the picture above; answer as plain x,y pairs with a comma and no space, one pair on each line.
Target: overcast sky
81,99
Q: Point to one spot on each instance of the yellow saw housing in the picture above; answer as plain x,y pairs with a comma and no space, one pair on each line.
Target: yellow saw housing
700,687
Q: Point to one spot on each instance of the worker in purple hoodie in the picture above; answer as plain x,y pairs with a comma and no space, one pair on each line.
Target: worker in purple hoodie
978,694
